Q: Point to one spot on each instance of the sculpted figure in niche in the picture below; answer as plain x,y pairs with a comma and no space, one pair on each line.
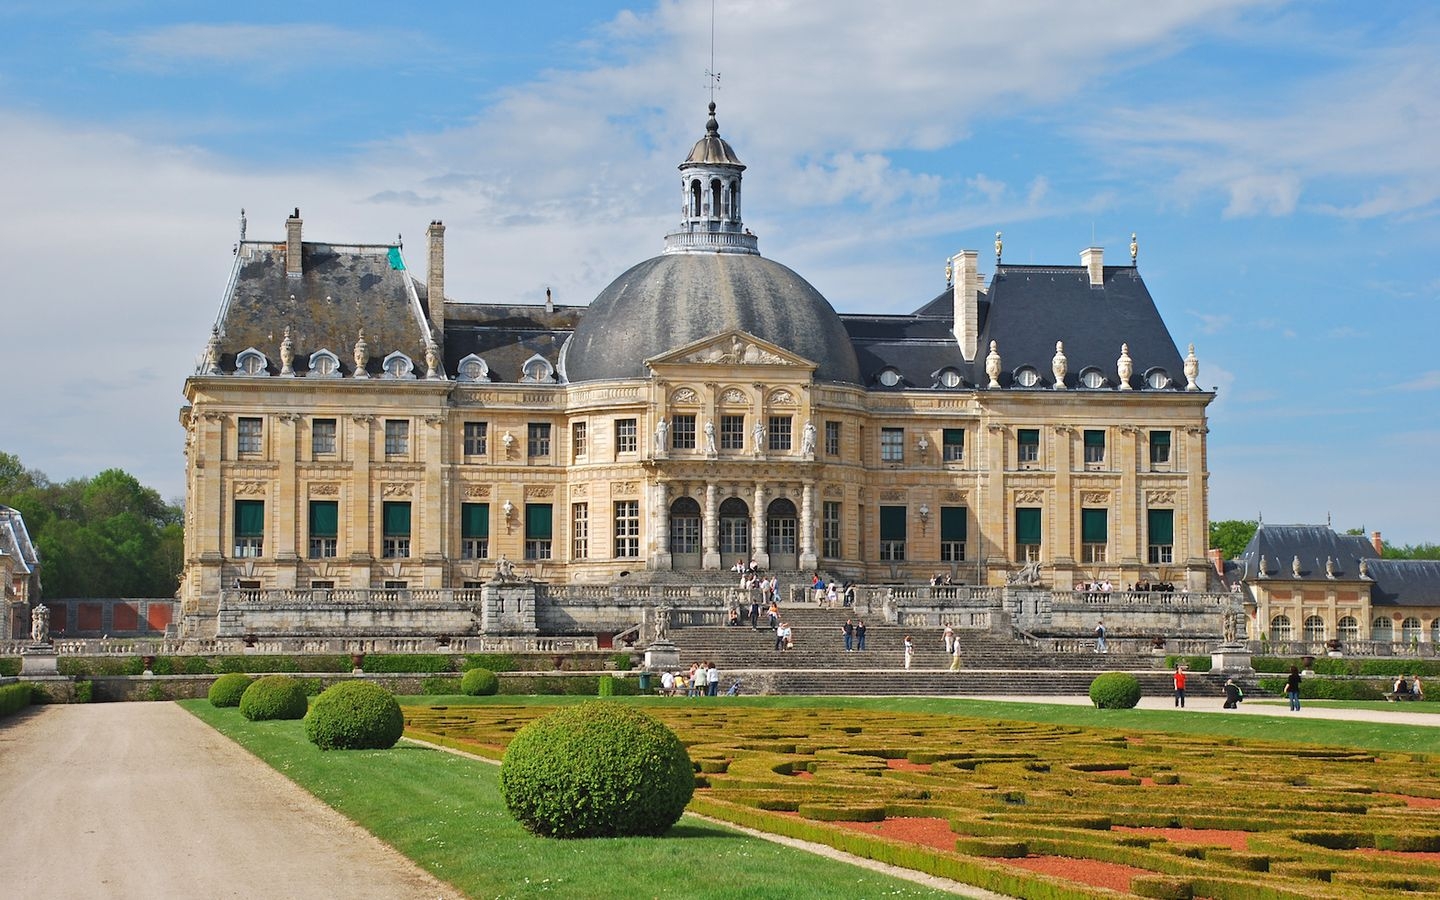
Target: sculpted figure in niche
759,434
40,624
662,431
709,437
807,442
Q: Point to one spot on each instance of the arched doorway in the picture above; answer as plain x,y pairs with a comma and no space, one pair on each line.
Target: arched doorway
734,532
780,532
685,534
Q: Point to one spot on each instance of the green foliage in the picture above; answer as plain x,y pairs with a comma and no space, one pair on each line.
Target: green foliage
1232,535
409,662
1327,689
495,662
479,683
1162,887
354,715
623,661
9,667
1115,690
1366,666
228,689
274,697
15,697
437,685
84,691
606,687
1191,663
596,770
1411,551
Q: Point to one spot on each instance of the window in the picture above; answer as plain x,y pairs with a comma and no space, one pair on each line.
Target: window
1410,630
953,528
579,439
538,443
1159,448
732,432
779,433
1348,629
1094,447
830,529
1157,379
832,438
322,437
324,529
682,433
474,530
1094,534
477,438
1026,377
889,377
397,437
1280,629
251,362
1160,533
734,527
950,378
780,528
625,436
953,444
892,445
249,528
685,526
1027,447
1027,533
324,364
1315,628
395,529
1382,629
1092,378
322,584
249,433
892,533
579,531
627,529
538,528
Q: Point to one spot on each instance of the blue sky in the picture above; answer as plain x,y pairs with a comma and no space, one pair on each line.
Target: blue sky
1278,161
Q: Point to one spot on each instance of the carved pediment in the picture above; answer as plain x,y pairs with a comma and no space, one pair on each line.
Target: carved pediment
733,348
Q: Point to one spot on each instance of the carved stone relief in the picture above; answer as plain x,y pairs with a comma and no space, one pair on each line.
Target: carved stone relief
953,496
249,488
1030,496
397,490
782,398
540,490
325,489
478,490
1094,498
580,490
625,488
684,395
1159,498
834,490
736,397
892,496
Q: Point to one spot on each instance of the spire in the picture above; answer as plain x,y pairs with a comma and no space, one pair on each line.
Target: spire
710,205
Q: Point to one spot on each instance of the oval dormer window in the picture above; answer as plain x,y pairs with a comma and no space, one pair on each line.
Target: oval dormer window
889,377
1026,377
950,378
1157,379
1092,378
398,365
474,368
324,364
538,369
250,362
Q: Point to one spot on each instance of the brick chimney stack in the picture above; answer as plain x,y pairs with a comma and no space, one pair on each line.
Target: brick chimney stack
435,279
1378,544
292,245
1093,259
1217,559
967,302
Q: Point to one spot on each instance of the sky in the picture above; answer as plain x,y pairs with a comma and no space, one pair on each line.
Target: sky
1277,160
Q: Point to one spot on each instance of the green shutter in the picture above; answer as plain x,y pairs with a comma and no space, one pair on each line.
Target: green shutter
952,523
1158,438
954,437
1028,436
1161,526
324,518
474,520
538,521
249,518
1094,526
1094,438
1027,525
892,523
396,516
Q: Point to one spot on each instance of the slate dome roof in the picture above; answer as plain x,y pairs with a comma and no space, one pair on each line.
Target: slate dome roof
676,299
712,149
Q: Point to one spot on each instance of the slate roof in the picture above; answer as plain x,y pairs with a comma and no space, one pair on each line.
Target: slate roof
506,336
1405,582
1394,582
15,542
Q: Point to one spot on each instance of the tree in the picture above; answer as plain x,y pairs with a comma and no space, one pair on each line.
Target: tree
1412,551
1232,535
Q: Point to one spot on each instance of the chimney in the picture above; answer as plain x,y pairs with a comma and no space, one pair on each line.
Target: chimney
967,302
292,245
1093,259
435,279
1378,544
1217,559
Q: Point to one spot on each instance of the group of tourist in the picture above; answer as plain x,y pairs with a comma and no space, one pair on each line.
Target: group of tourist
854,631
831,595
1406,688
1103,586
703,680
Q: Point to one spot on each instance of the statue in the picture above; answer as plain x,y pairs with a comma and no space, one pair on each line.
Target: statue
1124,367
1192,370
1134,248
662,624
1059,365
1364,568
505,569
999,245
362,356
807,442
287,353
710,437
1231,626
662,433
1295,566
1028,575
40,624
759,434
992,366
949,273
1330,567
212,352
432,359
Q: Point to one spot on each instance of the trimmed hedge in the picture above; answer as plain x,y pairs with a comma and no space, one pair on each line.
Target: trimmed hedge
354,715
274,697
9,667
15,697
596,770
1327,689
1115,690
228,689
479,683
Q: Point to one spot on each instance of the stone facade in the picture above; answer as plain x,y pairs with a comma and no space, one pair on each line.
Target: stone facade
19,575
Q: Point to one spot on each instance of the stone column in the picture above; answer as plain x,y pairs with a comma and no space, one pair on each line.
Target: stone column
660,528
431,526
358,531
1064,542
285,496
757,529
808,559
710,529
1132,544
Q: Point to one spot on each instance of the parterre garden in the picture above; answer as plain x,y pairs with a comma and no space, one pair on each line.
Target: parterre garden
1048,811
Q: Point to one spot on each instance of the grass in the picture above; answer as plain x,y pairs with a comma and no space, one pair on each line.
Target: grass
445,812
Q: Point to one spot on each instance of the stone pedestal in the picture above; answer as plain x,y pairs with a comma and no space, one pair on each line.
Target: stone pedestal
39,660
662,655
1230,658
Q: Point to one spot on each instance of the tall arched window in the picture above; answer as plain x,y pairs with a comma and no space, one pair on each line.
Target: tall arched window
734,528
685,526
1348,629
695,202
715,197
1280,629
1382,629
1410,630
1314,628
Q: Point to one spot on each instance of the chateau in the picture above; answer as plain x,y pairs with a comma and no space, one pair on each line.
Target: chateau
365,453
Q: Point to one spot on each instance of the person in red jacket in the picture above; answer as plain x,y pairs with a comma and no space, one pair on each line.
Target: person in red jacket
1179,686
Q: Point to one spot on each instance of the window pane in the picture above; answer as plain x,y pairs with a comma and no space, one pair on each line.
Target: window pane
324,518
682,433
1094,526
249,517
1027,525
538,525
322,436
892,523
474,520
1161,526
954,444
952,523
396,517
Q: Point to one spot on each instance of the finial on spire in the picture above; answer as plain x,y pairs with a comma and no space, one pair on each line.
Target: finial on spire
999,245
1134,248
242,223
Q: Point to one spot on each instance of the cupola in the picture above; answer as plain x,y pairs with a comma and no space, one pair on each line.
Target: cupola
710,199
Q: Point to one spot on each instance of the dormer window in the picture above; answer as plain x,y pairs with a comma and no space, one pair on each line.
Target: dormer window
398,365
1157,379
1092,378
324,364
251,362
889,377
474,368
949,378
1026,376
538,369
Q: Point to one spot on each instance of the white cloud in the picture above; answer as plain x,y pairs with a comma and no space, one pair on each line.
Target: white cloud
261,50
1429,381
1039,188
992,189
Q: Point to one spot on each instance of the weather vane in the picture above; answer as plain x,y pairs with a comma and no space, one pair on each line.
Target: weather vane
710,73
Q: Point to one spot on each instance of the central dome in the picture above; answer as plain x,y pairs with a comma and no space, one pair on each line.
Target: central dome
676,299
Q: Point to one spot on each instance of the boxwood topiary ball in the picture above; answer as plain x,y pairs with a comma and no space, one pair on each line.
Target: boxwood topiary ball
354,715
273,697
596,770
1115,690
227,689
479,683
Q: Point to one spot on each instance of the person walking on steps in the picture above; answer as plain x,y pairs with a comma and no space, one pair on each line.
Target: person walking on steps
909,651
1179,686
849,631
955,654
859,636
1100,646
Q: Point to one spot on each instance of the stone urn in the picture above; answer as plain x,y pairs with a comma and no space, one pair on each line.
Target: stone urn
148,661
357,662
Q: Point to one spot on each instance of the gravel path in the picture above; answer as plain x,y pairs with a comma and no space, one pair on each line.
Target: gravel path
1268,707
144,800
